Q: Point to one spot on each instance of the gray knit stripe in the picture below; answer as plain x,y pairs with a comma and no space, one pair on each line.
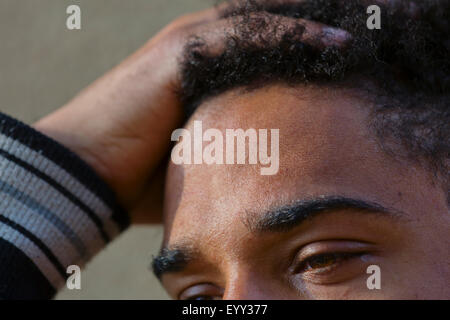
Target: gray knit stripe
53,238
72,215
64,178
44,212
33,252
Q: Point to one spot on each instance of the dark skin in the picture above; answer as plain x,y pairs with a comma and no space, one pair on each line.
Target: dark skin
392,214
121,126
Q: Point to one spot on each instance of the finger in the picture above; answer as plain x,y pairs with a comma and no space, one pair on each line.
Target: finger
214,35
220,10
236,6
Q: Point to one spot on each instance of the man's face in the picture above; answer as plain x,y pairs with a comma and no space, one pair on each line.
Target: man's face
337,205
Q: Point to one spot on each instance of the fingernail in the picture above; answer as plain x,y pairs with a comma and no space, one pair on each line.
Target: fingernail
335,35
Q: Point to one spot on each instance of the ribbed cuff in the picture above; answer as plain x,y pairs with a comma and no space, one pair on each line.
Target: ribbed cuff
55,211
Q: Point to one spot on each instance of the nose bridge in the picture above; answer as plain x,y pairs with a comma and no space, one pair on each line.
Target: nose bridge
245,284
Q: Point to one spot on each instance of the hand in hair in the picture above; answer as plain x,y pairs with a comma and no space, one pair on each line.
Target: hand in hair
121,124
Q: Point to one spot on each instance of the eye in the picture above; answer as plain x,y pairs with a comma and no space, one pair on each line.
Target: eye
325,262
203,291
330,262
203,298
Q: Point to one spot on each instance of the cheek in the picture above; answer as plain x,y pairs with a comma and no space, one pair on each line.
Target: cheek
398,279
422,266
408,274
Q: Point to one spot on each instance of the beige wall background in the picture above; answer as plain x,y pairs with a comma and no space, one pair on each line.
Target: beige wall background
42,65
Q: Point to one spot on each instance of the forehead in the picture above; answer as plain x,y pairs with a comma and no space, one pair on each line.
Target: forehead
325,147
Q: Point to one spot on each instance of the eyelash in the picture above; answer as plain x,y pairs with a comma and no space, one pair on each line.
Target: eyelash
201,297
339,258
304,266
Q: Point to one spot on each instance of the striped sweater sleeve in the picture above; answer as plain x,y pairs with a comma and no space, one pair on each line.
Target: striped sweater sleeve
54,212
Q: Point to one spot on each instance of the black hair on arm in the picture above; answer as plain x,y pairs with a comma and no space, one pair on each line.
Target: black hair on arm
406,63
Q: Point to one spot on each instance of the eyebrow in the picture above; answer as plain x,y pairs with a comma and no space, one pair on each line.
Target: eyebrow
171,260
281,219
285,218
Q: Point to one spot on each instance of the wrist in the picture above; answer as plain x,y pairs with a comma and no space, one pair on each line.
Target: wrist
74,138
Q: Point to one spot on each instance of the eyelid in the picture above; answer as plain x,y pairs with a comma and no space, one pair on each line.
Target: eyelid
329,246
343,247
200,289
340,257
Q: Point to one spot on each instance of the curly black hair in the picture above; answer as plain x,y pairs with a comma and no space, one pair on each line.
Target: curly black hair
405,66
